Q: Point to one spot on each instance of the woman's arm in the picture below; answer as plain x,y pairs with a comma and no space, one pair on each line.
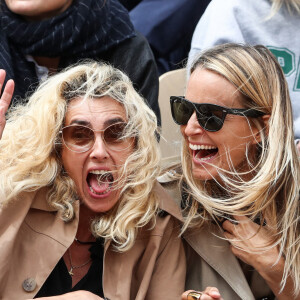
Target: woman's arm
168,277
247,244
5,98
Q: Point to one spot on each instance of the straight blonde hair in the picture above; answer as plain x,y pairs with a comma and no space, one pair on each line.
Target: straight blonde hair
293,6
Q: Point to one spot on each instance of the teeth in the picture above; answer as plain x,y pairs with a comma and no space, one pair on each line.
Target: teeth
201,147
98,172
206,158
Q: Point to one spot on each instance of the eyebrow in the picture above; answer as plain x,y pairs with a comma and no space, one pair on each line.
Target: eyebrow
106,123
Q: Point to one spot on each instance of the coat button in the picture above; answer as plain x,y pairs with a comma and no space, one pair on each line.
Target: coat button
29,284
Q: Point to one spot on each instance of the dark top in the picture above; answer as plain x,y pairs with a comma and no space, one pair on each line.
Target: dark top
89,29
60,281
168,26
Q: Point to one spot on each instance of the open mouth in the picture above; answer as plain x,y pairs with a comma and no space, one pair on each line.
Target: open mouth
100,181
203,152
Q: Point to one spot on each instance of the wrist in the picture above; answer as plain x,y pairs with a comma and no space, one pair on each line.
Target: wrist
272,272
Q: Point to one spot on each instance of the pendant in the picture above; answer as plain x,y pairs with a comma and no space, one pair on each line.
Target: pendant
71,271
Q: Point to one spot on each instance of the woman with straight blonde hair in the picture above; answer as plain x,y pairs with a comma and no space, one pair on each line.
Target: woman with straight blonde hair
240,177
271,23
81,213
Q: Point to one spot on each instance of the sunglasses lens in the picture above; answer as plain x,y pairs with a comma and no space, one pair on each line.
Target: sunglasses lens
210,117
78,138
182,111
115,136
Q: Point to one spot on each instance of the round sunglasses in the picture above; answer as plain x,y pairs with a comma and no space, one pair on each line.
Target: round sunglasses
79,138
210,116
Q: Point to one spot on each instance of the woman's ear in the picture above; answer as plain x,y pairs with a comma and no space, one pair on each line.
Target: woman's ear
264,123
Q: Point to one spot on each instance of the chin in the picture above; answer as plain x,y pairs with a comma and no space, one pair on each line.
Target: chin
205,173
99,208
100,204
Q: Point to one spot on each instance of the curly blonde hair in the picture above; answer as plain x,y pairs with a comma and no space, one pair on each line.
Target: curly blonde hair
273,190
30,150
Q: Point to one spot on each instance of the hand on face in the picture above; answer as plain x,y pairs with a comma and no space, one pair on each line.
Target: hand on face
210,293
78,295
249,243
5,98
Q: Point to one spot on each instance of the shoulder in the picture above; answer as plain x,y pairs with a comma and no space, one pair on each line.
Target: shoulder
136,44
168,220
225,7
167,191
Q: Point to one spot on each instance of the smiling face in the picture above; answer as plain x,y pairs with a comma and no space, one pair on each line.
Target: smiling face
96,171
38,9
224,148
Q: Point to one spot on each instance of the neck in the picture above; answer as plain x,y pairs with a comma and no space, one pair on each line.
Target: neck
84,226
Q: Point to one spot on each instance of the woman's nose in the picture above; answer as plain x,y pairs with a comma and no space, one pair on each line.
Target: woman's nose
99,149
192,127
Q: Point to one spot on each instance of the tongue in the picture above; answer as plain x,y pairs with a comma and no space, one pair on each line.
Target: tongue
98,187
204,153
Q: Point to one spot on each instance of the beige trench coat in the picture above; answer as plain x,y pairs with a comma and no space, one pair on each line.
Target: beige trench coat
210,261
33,239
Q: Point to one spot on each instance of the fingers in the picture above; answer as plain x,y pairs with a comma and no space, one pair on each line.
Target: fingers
184,296
2,77
241,218
228,226
210,293
7,92
5,98
241,222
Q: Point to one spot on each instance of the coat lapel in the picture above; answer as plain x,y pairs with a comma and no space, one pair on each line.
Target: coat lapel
216,252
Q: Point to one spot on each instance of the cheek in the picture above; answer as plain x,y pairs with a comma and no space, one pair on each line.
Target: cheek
182,130
70,161
122,156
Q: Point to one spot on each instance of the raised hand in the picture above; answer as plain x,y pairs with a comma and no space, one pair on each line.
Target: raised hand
251,244
5,98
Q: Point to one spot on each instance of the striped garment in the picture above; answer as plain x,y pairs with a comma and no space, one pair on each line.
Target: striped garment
85,30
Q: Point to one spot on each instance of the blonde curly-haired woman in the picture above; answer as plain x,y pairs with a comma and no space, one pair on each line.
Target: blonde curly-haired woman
81,215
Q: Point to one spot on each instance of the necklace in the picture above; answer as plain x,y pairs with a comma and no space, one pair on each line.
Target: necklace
76,267
84,243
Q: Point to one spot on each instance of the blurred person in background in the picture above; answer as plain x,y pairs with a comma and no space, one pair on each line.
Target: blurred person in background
168,26
42,37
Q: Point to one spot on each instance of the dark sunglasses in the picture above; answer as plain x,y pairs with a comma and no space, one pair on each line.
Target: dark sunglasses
210,116
79,138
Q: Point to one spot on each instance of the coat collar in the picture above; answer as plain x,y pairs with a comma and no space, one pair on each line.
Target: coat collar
216,252
167,203
40,200
208,244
